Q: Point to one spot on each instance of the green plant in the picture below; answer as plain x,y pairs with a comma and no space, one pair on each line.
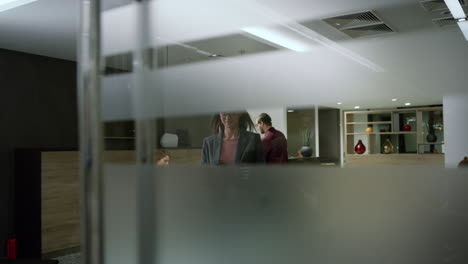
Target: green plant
306,137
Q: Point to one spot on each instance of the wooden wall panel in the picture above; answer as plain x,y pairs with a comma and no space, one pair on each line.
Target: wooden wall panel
60,190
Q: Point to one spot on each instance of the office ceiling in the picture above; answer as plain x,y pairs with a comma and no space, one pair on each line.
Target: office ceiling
44,27
423,60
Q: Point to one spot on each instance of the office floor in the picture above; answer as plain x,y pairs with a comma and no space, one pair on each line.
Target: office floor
74,258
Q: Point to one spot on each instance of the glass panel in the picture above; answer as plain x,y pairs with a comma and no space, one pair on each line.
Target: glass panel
406,122
407,144
328,83
379,117
119,135
301,131
312,215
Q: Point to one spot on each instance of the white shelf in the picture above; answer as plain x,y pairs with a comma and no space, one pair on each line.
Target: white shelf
431,143
382,133
370,123
119,138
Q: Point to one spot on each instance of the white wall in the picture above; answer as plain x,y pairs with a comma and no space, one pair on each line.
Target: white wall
456,129
278,117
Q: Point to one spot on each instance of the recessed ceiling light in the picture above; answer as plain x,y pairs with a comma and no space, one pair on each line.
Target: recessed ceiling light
339,103
290,111
394,100
407,103
357,107
278,38
9,4
455,8
464,28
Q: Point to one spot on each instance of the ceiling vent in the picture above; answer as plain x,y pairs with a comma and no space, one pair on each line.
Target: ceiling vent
361,24
438,5
444,21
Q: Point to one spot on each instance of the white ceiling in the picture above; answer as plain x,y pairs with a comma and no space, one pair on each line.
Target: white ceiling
44,27
421,62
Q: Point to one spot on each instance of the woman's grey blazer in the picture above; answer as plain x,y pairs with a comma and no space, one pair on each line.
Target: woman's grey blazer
249,149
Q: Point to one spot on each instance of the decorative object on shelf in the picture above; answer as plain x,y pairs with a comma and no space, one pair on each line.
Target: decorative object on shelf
369,129
431,137
360,148
463,163
407,127
306,150
169,140
387,147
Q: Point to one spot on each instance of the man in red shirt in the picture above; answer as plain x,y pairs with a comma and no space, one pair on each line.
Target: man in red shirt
274,142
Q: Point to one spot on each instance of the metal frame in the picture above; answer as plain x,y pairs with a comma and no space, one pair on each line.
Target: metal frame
91,139
91,134
145,136
317,147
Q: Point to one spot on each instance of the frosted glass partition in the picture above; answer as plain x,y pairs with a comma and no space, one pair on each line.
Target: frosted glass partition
154,70
238,83
277,215
120,214
116,97
333,70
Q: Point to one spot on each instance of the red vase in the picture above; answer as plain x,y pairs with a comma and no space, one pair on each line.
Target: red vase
407,127
360,148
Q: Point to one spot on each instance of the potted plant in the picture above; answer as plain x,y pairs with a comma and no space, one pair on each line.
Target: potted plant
306,150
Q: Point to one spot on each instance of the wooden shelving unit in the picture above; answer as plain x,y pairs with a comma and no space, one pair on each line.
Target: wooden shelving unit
388,124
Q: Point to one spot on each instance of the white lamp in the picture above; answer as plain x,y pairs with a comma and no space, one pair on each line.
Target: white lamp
169,140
